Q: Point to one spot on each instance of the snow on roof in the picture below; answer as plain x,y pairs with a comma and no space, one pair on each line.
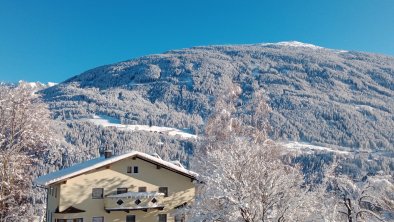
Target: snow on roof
177,163
86,166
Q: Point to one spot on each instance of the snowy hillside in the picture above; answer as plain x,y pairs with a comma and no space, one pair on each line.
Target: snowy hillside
317,95
341,100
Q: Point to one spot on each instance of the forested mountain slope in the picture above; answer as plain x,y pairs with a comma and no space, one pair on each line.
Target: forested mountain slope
317,95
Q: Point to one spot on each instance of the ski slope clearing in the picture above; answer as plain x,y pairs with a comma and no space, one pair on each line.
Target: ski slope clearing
311,148
108,121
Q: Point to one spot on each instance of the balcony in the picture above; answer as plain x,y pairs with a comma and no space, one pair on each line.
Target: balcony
134,201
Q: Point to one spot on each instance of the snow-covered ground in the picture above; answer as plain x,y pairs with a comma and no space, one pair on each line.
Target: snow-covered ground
108,121
305,147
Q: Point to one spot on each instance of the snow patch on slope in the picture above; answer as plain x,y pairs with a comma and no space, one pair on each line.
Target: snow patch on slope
293,44
50,84
311,148
108,121
298,44
301,45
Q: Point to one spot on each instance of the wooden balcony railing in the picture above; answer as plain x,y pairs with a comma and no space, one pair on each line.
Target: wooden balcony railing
134,201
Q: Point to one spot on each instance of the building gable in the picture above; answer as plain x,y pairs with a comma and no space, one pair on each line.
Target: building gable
94,164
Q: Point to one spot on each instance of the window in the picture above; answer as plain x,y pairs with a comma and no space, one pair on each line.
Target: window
141,189
135,169
55,192
162,217
164,190
98,219
121,190
129,168
130,218
97,193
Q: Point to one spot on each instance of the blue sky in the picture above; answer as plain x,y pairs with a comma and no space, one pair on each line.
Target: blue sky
53,40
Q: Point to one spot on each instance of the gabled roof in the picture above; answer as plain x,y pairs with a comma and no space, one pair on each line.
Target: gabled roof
69,210
89,165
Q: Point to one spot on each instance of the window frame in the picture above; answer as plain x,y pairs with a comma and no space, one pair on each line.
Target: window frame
135,169
142,188
121,188
129,169
166,191
160,217
100,217
133,216
102,193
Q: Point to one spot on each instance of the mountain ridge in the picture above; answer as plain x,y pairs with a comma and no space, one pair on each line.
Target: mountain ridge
318,95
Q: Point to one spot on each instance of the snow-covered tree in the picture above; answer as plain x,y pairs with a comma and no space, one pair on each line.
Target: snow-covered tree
339,197
367,199
24,133
241,173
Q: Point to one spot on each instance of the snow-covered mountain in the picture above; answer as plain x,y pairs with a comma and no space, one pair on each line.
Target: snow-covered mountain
327,105
36,86
318,95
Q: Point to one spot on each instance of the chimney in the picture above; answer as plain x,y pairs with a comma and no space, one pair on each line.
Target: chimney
107,154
